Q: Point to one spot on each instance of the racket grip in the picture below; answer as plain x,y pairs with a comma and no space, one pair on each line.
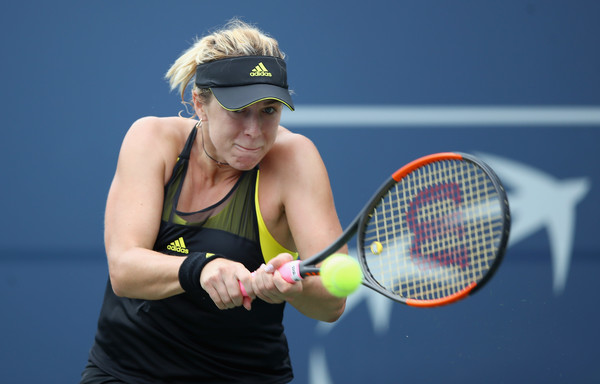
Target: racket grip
290,272
244,293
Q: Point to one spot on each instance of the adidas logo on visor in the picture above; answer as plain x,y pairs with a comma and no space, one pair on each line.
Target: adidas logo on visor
261,71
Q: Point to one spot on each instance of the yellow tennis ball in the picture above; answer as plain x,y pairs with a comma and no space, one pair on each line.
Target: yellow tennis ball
341,274
376,247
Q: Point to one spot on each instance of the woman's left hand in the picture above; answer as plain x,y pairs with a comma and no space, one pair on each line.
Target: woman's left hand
270,286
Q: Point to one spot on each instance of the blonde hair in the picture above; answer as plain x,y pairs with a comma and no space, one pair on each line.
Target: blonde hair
236,38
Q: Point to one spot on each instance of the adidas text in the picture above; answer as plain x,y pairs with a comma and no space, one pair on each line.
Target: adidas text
177,248
267,74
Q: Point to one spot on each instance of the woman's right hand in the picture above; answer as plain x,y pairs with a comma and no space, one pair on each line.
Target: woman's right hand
221,279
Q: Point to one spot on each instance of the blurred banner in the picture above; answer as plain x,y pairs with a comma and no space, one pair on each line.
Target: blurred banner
532,323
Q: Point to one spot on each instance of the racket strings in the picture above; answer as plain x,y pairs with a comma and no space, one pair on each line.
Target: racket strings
439,229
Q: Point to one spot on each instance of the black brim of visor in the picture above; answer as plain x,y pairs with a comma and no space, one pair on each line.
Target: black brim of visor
236,98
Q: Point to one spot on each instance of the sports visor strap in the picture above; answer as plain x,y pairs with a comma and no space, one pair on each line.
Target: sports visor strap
242,70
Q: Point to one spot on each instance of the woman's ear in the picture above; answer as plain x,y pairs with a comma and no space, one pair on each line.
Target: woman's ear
199,107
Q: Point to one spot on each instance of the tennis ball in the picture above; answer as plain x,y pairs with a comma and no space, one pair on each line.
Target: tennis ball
341,274
376,248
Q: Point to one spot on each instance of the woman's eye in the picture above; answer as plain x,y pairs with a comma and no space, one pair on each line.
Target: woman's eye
270,110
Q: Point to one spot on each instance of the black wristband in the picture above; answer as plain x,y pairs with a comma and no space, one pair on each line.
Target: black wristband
191,268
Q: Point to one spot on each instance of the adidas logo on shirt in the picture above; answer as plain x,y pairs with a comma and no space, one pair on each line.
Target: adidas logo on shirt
178,246
260,70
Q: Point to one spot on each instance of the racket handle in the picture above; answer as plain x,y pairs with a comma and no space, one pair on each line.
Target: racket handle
244,293
290,272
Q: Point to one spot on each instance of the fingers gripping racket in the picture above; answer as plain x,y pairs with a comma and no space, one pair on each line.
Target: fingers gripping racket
434,233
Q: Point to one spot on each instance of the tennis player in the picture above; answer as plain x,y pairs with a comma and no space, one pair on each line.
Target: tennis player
197,204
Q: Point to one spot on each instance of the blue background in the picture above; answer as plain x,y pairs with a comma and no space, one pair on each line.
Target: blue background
75,75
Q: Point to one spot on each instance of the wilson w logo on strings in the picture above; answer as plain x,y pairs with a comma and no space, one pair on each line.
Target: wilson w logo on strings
432,233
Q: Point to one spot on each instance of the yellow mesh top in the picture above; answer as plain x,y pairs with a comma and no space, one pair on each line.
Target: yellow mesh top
221,220
270,246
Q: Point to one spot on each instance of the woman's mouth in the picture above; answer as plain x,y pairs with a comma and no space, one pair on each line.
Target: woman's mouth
247,149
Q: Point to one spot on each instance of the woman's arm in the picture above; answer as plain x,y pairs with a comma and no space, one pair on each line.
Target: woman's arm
133,213
313,223
132,221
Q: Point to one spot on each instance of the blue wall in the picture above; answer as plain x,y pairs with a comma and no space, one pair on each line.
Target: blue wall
516,82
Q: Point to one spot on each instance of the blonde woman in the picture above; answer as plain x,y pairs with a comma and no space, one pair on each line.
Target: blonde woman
196,205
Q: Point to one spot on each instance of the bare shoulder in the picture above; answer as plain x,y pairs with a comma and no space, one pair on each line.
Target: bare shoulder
293,159
150,129
158,134
293,149
155,140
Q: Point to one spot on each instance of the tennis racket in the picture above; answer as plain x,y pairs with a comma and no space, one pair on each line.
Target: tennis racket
433,234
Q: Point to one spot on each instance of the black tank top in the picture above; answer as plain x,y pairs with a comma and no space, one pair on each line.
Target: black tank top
186,338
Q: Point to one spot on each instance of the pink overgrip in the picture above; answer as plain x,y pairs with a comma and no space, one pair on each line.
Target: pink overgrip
290,272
